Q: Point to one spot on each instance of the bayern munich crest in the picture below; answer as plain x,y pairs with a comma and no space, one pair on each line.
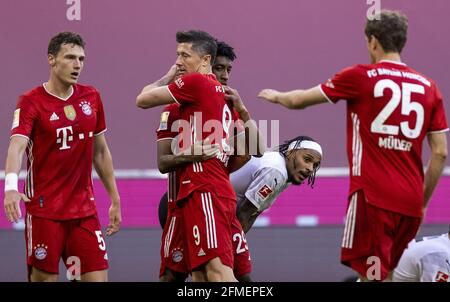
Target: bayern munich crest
177,255
86,107
40,251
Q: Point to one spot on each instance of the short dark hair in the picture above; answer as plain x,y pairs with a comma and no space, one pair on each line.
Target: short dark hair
225,50
61,38
390,28
202,42
284,148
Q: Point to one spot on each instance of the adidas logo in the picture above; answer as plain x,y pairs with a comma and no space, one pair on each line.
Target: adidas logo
54,117
201,253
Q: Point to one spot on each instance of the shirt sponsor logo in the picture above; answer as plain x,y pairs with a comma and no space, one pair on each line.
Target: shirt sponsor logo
16,119
265,191
86,107
70,112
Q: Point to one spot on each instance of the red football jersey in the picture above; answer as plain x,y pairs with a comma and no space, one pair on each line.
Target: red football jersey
390,109
205,113
60,150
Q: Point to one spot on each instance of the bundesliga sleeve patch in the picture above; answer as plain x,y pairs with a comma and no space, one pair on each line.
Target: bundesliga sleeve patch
164,120
441,277
265,191
16,119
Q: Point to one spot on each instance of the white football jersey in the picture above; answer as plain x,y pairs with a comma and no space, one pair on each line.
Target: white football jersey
261,180
425,261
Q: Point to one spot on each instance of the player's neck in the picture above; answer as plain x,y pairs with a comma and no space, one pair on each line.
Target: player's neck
58,88
390,56
205,70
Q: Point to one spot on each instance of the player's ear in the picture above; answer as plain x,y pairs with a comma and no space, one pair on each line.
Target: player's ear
206,60
51,59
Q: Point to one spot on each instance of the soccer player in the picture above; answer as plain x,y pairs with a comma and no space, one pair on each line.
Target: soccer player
427,260
172,264
259,182
391,108
207,200
61,125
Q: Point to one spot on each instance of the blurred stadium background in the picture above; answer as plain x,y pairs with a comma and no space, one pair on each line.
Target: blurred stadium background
280,44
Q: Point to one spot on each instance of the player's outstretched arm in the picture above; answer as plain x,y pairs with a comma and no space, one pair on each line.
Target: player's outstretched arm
247,213
104,166
438,146
295,99
168,162
17,146
157,94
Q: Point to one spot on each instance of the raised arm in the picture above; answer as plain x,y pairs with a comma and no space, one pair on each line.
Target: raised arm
157,94
295,99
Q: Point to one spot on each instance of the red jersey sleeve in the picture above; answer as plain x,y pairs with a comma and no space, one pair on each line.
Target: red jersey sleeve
186,89
24,118
438,119
343,85
101,122
169,115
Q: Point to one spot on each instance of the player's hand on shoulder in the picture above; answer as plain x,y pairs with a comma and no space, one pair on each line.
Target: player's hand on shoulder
270,95
11,204
233,96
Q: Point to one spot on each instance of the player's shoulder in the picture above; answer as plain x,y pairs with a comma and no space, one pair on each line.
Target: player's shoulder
194,76
35,92
32,97
81,88
275,163
426,245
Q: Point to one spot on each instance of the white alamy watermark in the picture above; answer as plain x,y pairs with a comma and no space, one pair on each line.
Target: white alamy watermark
374,271
228,136
73,264
73,12
374,10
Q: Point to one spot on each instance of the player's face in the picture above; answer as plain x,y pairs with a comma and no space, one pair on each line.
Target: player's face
188,60
222,69
68,63
301,163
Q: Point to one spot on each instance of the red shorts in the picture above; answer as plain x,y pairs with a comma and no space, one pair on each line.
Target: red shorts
173,249
207,228
374,239
242,260
49,240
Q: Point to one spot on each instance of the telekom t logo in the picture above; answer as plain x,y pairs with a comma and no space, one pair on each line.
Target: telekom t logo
66,136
